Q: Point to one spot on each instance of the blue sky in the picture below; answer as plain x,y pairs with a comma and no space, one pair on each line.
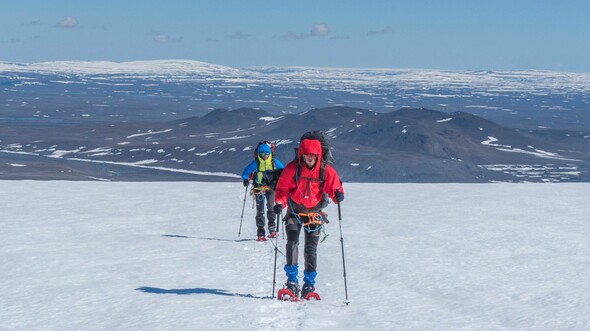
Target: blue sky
453,35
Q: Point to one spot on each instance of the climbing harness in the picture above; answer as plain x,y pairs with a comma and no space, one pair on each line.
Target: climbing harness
259,193
318,219
312,218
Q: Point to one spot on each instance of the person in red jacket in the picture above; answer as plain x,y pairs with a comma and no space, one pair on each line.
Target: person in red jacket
301,187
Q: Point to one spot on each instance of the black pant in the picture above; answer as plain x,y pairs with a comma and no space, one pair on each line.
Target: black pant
312,238
269,197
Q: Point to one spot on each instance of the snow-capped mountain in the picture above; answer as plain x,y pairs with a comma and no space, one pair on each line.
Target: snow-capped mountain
408,145
190,118
157,68
191,88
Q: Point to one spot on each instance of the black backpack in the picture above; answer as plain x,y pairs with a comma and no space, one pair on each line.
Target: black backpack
324,141
272,152
273,177
269,143
326,153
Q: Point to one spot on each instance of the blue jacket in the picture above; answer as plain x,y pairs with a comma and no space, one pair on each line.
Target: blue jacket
253,168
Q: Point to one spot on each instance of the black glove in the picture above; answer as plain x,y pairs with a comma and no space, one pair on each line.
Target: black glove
246,182
339,196
278,208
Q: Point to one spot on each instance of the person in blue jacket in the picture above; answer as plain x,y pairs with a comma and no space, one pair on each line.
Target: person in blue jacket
261,172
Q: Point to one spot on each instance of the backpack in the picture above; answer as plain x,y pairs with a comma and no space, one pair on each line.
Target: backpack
326,158
269,143
324,141
272,153
273,178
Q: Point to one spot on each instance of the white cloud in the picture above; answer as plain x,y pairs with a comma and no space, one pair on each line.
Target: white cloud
164,38
68,22
317,30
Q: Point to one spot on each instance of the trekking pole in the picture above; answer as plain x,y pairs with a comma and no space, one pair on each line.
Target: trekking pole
243,205
274,272
342,246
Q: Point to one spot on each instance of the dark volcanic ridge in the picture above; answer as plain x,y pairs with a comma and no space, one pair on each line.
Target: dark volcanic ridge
407,145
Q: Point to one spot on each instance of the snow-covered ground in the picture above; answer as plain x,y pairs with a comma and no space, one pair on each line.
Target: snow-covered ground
167,256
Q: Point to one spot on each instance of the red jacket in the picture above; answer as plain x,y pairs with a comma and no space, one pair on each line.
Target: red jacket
306,191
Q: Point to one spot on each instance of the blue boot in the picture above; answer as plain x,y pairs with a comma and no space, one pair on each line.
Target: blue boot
292,282
309,277
309,282
291,271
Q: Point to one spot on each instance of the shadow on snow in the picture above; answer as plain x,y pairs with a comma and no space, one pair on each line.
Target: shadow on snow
197,290
216,239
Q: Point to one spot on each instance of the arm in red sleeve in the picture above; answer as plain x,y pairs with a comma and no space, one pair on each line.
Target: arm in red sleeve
332,183
285,185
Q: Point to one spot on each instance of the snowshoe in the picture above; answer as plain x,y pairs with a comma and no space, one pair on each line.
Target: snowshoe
273,234
308,293
261,238
290,292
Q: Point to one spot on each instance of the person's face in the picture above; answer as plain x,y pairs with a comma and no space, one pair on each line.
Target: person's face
264,155
310,160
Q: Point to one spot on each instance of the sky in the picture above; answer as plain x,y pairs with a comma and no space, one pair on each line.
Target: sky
167,256
449,35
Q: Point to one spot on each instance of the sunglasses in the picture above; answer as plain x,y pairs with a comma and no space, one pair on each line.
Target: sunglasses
264,154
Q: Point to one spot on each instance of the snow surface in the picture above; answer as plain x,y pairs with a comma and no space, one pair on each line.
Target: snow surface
167,256
352,80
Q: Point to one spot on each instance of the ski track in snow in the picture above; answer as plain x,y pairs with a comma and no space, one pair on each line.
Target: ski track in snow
167,256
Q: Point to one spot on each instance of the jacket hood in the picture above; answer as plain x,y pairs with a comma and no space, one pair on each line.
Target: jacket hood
263,148
310,146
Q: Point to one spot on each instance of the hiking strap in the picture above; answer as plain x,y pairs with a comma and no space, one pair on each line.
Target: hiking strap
260,189
321,177
313,218
324,234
